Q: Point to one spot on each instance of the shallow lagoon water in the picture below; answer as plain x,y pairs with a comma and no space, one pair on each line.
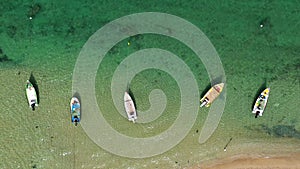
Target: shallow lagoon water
47,47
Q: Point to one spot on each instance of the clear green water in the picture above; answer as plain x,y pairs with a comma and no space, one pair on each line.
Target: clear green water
47,46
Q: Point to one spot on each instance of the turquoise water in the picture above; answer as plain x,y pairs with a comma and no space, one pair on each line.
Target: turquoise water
48,45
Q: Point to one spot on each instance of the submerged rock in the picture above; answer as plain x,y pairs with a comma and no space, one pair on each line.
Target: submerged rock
3,57
34,10
286,131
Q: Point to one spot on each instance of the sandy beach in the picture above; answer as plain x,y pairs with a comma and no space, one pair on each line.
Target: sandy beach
280,162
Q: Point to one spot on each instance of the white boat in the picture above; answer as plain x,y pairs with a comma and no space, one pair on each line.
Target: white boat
261,102
75,110
211,95
31,95
129,108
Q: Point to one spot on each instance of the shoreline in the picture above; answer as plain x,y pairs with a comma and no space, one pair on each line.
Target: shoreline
287,161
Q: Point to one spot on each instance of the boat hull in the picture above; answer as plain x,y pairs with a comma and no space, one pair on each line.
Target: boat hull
261,102
75,110
129,107
211,95
31,95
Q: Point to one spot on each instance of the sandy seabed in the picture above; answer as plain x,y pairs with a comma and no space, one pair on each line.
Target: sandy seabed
239,162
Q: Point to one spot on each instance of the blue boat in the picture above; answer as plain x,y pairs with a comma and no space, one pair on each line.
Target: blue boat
75,110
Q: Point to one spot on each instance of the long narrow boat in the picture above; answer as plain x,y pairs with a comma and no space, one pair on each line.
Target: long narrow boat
261,102
75,110
211,95
31,95
129,108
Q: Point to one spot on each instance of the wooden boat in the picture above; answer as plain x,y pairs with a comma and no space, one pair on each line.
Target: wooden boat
211,95
261,103
129,108
75,110
31,95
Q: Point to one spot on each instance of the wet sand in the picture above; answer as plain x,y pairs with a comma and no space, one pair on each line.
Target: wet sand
240,162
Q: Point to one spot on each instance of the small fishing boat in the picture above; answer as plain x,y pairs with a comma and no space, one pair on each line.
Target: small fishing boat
75,110
211,95
261,103
129,107
31,95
